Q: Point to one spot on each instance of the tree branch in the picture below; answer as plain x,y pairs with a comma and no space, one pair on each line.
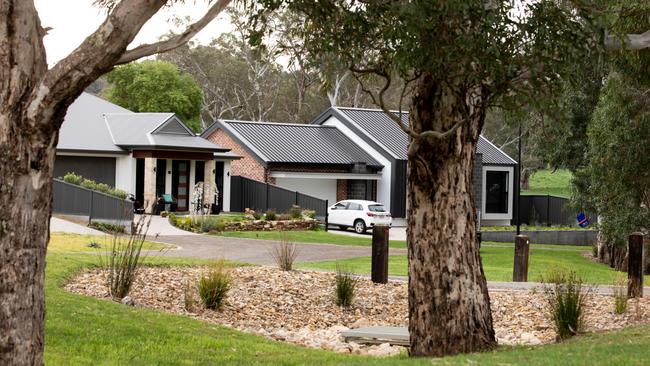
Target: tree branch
629,41
175,41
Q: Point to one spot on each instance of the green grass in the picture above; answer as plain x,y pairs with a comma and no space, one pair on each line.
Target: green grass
545,182
311,236
498,261
83,330
60,242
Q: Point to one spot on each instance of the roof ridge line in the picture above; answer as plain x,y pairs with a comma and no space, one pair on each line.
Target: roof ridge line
371,109
292,124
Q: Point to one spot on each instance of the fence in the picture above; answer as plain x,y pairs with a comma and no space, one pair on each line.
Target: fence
547,209
70,199
247,193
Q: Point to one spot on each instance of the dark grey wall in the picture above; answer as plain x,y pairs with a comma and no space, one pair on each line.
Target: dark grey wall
398,194
99,169
560,237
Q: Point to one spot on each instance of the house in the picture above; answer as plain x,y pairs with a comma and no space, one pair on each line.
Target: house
145,154
353,153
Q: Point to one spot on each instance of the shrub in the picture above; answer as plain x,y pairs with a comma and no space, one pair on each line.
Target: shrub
285,253
594,250
91,184
346,285
164,213
208,223
257,215
309,214
271,215
189,296
566,299
295,212
284,217
124,259
106,227
620,294
214,286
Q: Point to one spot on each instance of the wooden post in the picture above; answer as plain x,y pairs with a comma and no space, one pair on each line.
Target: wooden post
635,265
379,272
327,214
520,268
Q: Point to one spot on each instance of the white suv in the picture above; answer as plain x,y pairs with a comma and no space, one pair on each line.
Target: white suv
359,214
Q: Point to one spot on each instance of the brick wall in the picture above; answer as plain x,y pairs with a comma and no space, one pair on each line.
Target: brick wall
248,166
341,189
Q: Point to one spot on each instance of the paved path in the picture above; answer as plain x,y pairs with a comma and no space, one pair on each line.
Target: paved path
254,250
65,226
395,233
161,226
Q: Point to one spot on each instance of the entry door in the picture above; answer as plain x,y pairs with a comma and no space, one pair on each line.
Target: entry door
183,187
218,179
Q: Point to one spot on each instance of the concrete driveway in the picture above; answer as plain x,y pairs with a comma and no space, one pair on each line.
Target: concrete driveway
395,233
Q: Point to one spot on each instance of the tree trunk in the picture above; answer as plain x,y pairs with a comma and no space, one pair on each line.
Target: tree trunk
449,306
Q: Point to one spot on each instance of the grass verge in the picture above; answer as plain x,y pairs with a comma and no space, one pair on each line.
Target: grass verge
498,261
311,236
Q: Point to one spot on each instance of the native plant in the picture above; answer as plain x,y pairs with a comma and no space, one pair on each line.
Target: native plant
285,253
123,259
345,287
214,285
620,294
565,296
189,296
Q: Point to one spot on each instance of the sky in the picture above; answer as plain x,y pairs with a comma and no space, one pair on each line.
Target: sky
73,20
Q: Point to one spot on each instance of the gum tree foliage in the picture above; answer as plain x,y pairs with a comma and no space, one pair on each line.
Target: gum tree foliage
457,58
156,86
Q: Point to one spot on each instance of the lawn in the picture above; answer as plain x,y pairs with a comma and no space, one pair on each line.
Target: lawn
312,236
555,183
60,242
86,331
498,261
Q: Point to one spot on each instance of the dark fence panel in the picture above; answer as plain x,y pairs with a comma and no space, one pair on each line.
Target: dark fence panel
248,193
70,199
549,210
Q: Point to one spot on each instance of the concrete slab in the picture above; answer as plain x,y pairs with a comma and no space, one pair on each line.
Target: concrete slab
64,226
160,226
378,334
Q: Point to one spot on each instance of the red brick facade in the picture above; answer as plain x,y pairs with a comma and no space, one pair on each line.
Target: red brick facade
341,189
248,166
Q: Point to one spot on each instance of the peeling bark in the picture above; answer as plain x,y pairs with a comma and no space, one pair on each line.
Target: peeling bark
449,307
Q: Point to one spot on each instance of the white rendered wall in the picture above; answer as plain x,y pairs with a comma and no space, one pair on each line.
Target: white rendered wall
125,173
226,186
324,189
383,184
168,177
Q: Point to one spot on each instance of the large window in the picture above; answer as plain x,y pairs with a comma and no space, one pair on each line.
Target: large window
496,192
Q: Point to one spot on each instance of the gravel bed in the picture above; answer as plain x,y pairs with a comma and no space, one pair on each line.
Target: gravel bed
298,307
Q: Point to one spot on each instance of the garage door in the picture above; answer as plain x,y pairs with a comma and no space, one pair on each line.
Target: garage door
324,189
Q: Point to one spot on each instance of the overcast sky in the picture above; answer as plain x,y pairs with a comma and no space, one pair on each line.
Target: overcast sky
73,20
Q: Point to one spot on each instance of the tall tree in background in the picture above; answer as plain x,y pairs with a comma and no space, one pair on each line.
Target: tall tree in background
33,103
156,86
457,58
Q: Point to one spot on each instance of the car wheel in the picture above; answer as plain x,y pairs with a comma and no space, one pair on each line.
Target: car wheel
343,227
359,227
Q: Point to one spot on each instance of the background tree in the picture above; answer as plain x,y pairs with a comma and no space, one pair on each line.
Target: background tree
457,59
33,103
156,86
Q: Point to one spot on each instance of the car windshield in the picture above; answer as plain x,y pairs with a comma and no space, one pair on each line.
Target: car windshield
376,208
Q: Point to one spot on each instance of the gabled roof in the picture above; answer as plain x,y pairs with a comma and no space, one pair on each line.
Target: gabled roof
295,143
380,129
95,125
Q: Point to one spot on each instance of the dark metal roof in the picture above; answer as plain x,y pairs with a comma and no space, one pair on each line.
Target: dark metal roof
383,130
297,143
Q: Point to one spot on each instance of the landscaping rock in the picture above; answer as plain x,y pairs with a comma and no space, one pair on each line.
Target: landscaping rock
298,307
127,300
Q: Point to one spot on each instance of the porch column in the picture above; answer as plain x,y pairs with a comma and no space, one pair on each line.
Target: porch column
208,182
149,184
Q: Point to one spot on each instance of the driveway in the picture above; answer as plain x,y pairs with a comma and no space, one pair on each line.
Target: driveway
254,250
65,226
395,233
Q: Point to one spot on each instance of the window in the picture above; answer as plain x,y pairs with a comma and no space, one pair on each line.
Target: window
377,208
496,191
340,206
355,206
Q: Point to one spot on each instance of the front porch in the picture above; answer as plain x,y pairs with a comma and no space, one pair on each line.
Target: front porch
178,174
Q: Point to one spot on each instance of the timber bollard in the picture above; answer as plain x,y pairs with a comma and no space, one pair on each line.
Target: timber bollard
379,271
520,268
635,265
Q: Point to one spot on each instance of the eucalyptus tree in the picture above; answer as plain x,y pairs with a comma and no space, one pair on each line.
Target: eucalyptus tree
457,58
33,103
